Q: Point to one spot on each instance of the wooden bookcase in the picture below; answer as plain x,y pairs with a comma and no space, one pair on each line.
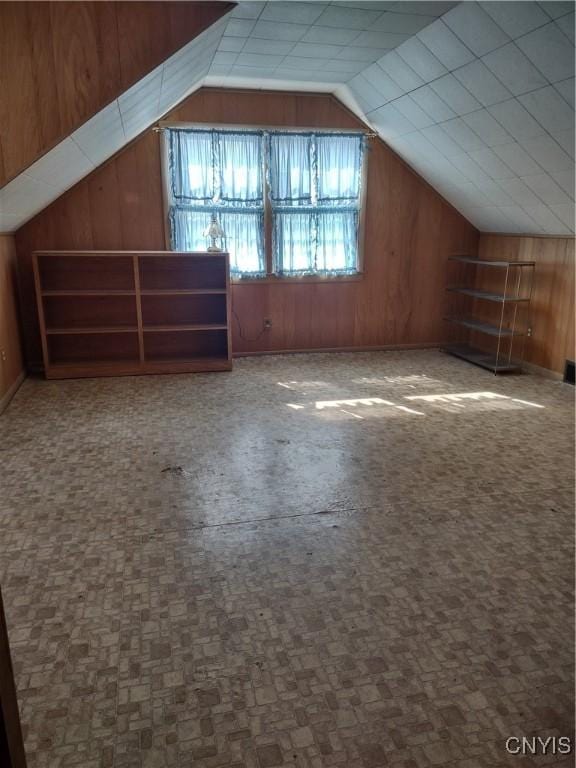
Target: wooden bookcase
114,313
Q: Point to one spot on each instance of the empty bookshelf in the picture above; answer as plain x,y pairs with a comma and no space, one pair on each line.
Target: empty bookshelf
490,307
114,313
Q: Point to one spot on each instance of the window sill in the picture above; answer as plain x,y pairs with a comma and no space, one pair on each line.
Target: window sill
287,280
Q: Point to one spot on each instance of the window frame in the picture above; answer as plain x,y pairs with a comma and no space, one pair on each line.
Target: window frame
270,277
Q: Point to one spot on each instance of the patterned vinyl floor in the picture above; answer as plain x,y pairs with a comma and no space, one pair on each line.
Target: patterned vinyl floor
356,560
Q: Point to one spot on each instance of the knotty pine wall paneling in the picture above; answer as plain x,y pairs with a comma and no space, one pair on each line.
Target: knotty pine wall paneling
61,62
552,305
409,232
11,364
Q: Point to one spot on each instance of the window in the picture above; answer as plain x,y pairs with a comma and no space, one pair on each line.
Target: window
315,195
218,172
307,184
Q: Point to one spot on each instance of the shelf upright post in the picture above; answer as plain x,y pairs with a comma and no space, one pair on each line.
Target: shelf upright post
137,290
518,283
502,320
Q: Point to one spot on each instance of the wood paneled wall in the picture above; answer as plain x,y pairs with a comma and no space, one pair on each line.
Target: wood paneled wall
552,306
61,62
11,369
409,232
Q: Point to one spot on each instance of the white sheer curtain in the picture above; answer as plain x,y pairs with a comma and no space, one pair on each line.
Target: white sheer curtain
315,183
221,173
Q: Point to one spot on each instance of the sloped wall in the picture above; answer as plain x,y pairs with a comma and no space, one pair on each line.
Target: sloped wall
61,62
409,231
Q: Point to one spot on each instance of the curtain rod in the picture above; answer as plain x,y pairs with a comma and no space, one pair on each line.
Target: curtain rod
205,126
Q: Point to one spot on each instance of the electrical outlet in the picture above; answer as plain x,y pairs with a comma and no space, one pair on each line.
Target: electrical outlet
529,332
3,355
267,324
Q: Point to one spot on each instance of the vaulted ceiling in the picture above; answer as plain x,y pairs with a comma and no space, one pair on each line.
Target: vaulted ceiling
477,97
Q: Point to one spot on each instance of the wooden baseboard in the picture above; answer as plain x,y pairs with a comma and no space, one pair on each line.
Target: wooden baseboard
382,348
5,400
539,371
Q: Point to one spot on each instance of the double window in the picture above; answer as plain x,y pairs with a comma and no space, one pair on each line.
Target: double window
302,187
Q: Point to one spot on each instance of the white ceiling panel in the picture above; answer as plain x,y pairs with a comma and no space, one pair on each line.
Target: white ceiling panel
463,134
566,24
517,159
268,60
471,169
516,120
458,98
410,109
556,9
256,45
63,166
316,50
397,69
490,219
270,30
494,192
102,135
566,140
297,13
566,89
426,8
24,196
477,30
520,192
330,35
232,44
240,27
377,39
492,164
248,10
344,66
9,222
444,44
139,104
513,68
348,17
566,180
520,220
441,139
546,189
481,83
549,109
366,95
382,82
303,64
356,53
550,50
547,153
565,213
432,104
487,128
391,122
545,217
421,59
403,23
516,18
244,72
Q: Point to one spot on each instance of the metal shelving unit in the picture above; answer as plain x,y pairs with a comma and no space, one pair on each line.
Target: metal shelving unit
507,304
